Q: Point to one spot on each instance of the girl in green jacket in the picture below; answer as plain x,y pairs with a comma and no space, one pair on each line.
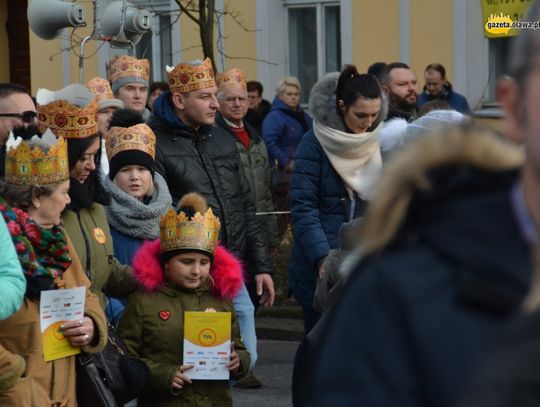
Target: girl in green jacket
183,271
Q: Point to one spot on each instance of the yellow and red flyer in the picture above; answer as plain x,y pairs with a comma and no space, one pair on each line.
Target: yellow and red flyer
207,344
56,307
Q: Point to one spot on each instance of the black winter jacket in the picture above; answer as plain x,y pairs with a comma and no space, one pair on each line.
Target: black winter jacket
206,161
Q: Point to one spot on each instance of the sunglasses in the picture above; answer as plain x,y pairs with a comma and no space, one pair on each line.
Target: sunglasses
26,117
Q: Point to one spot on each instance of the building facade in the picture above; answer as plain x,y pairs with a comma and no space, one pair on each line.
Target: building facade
272,38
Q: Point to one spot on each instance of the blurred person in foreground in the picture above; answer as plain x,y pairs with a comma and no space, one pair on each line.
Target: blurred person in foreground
444,264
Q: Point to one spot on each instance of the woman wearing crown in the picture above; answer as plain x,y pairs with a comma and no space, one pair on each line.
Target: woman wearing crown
35,195
72,114
185,270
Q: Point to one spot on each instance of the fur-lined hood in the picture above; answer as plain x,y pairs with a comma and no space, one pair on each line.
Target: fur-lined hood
322,103
408,175
226,270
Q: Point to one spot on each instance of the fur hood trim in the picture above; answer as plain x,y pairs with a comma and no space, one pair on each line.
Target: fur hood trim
407,174
226,270
322,103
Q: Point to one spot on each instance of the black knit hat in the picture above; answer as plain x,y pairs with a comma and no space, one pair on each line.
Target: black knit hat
130,157
129,142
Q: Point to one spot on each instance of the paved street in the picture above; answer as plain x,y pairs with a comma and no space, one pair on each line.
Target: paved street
274,370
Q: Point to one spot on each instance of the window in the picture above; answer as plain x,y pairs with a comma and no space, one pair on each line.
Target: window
314,42
156,44
499,49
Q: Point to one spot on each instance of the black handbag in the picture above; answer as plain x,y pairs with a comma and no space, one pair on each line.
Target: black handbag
110,378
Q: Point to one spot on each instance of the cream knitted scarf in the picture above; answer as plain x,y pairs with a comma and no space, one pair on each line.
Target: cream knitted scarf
355,157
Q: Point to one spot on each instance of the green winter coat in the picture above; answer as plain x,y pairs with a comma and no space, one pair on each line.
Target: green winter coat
159,343
152,327
89,231
257,169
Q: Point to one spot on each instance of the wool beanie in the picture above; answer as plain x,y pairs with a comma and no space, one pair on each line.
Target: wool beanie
135,145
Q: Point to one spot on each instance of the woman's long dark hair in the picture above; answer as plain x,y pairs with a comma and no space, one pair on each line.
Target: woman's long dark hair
352,85
82,195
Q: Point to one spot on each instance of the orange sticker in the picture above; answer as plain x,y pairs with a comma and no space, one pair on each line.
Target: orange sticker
99,235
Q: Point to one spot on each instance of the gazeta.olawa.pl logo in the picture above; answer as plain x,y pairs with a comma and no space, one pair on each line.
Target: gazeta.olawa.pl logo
499,24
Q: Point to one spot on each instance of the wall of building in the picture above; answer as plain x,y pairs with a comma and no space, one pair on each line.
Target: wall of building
431,35
376,32
55,63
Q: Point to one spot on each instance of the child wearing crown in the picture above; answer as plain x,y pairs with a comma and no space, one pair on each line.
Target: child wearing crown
185,270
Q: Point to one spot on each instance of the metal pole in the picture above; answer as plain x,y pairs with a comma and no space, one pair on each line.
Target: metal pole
81,58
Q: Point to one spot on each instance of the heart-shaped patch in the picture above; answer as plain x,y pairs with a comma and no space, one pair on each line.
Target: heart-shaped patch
164,315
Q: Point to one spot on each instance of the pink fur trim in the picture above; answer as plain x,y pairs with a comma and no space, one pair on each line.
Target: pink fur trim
227,273
146,267
226,270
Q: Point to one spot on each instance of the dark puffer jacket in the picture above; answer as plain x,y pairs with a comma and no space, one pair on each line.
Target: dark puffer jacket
257,169
444,268
206,161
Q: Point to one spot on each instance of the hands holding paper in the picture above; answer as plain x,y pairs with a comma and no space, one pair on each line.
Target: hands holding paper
180,378
79,333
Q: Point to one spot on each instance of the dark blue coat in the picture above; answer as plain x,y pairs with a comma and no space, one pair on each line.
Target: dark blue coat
414,321
125,246
320,203
282,131
455,100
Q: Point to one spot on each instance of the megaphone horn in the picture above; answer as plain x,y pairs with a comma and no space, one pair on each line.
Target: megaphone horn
136,23
48,17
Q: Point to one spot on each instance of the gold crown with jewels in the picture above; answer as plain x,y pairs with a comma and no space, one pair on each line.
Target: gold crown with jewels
40,161
181,232
186,77
233,78
70,112
138,137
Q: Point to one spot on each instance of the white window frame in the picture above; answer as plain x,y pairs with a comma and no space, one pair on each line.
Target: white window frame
320,27
319,18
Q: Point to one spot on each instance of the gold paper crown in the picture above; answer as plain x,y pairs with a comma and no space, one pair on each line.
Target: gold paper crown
101,88
179,232
233,78
126,66
67,120
186,77
139,137
43,164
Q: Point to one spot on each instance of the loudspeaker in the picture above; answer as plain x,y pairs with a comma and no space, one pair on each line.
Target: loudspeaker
48,17
137,22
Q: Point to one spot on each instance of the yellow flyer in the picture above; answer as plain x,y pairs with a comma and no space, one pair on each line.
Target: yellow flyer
207,344
56,307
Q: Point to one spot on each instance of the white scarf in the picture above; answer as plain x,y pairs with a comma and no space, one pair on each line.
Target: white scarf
355,157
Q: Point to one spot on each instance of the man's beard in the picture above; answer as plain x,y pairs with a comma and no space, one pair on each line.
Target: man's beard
402,103
25,132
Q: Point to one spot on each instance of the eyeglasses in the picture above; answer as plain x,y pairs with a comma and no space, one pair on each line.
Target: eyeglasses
26,117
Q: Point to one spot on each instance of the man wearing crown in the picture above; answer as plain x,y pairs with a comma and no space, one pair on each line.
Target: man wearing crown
233,106
129,82
194,156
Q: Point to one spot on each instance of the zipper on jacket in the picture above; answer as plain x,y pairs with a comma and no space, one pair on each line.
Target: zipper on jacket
87,245
197,144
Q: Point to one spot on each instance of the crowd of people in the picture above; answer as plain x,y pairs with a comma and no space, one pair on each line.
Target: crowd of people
412,231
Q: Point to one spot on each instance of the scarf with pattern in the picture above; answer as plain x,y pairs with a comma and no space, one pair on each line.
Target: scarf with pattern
43,253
